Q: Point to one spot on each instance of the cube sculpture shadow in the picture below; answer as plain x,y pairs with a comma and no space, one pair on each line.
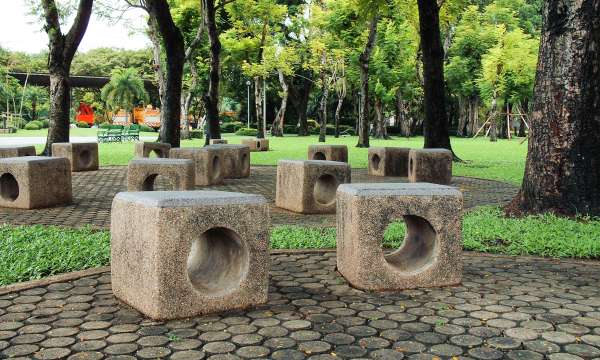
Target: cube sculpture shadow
256,144
430,165
328,152
34,182
388,161
82,156
309,187
236,160
218,141
208,164
431,252
146,148
16,151
182,254
142,174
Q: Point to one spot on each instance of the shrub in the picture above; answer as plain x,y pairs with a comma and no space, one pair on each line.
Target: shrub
247,132
290,129
104,125
229,118
82,124
312,124
146,128
231,127
45,123
196,134
32,125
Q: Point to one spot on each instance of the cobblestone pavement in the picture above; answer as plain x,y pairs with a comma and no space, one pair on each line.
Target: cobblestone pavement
511,308
94,191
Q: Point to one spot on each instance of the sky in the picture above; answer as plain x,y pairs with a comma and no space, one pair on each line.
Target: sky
20,32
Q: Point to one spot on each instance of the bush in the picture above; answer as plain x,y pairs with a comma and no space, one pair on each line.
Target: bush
81,124
146,128
104,125
33,125
290,129
229,118
45,123
231,127
247,132
196,134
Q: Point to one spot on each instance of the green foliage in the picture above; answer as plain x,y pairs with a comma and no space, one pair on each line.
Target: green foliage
196,134
104,125
33,125
82,124
45,123
146,128
247,132
125,89
33,252
231,127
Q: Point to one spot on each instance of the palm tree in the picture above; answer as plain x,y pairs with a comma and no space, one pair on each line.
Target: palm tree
124,90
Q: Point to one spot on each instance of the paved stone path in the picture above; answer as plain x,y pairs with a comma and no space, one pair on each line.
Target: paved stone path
94,191
506,308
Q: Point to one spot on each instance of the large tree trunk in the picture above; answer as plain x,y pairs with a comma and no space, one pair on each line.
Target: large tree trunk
279,122
154,36
365,56
172,42
62,49
258,106
435,127
401,115
463,116
380,129
338,111
301,86
323,114
211,98
562,172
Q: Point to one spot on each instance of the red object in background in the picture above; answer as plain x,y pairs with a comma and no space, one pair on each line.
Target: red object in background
85,114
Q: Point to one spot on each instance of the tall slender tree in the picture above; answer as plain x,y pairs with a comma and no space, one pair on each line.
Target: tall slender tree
562,172
62,48
211,98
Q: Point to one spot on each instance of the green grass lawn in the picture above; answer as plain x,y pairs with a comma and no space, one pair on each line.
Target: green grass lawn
503,160
32,252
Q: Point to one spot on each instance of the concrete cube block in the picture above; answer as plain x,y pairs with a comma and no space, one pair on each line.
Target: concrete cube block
82,156
16,151
146,148
430,165
256,144
388,161
142,173
182,254
431,252
309,187
208,164
236,160
218,141
328,152
34,182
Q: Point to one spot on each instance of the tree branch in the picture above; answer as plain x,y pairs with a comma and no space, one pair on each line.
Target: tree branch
75,34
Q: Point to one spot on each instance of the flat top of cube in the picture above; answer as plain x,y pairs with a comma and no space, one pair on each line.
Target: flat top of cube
30,159
153,143
398,189
160,161
433,150
177,199
314,162
327,146
188,149
11,147
226,146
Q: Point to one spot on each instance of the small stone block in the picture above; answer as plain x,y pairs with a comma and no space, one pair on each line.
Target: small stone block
34,182
144,149
256,144
82,156
388,161
309,187
430,165
182,254
218,141
16,151
143,172
328,152
431,254
208,164
236,160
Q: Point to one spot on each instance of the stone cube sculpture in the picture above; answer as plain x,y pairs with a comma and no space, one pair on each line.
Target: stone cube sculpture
208,164
181,254
256,144
142,173
82,156
430,165
145,149
218,141
309,187
431,252
328,152
16,151
388,161
236,160
34,182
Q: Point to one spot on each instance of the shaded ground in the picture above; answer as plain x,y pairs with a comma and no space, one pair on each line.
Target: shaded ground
513,308
94,191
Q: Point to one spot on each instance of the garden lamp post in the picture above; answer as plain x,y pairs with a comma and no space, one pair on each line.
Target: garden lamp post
248,83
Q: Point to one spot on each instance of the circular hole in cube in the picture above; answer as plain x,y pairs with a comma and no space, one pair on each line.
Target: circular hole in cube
85,159
9,187
218,261
375,161
216,168
319,156
325,189
416,249
156,182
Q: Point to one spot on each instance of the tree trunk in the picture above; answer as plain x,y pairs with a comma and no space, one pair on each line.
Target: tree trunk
562,172
365,56
380,129
323,114
338,111
211,98
258,105
464,111
401,116
62,49
154,36
280,118
172,42
435,127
